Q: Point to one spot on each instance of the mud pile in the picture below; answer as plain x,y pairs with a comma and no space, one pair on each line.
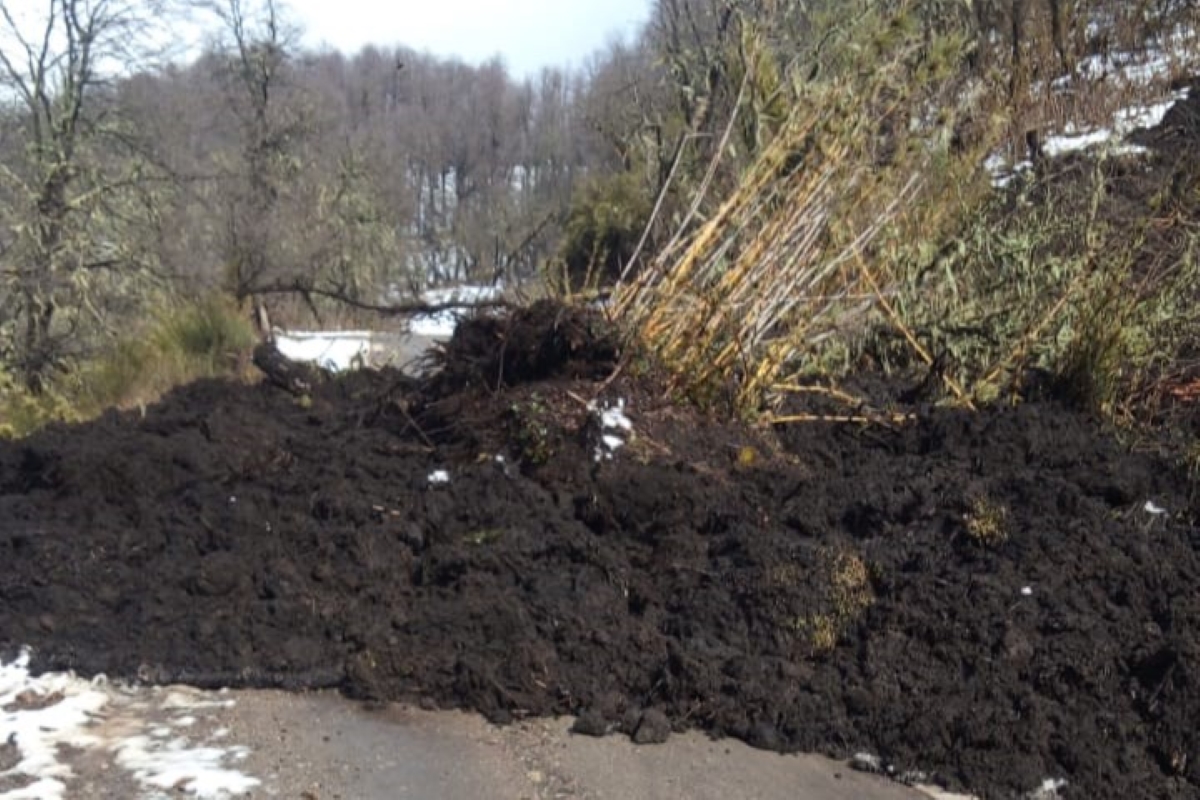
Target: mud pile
993,599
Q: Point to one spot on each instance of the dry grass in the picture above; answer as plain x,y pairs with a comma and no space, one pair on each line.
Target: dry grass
987,523
184,342
869,212
848,596
779,266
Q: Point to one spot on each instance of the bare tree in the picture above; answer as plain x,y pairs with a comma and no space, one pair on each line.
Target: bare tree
68,195
255,52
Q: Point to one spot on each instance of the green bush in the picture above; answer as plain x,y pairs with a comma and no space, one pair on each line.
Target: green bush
208,332
605,224
184,342
22,412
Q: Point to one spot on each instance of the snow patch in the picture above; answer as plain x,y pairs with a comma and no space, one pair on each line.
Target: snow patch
1154,509
439,476
48,712
866,762
174,765
613,424
1073,140
1050,789
441,325
39,715
335,351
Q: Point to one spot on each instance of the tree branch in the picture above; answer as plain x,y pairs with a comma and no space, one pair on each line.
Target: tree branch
386,309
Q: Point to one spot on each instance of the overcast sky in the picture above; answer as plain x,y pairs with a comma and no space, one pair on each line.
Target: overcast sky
528,34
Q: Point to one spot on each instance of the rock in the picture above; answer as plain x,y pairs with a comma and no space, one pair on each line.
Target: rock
591,723
654,728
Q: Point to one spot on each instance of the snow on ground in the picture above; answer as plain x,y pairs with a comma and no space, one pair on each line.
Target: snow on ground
1125,122
1071,139
337,351
441,325
614,425
331,350
1179,51
139,731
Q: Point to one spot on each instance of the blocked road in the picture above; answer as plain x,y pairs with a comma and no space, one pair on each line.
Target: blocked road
322,747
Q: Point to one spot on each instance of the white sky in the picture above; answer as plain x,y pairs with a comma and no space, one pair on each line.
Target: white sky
527,34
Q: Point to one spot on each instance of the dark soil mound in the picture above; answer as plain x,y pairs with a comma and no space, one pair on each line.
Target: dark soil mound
985,597
546,339
1178,134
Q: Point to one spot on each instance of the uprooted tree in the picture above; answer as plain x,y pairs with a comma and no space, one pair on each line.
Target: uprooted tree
75,190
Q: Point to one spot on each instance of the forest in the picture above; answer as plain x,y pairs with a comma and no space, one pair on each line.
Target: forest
150,193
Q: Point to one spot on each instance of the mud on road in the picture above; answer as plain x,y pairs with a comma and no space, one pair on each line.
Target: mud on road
985,600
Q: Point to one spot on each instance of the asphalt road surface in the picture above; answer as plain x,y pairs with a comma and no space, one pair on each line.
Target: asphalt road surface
323,747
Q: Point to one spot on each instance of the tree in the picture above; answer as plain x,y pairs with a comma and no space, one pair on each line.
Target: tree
71,185
255,56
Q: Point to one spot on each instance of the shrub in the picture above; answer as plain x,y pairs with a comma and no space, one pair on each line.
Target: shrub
605,224
184,342
863,158
22,412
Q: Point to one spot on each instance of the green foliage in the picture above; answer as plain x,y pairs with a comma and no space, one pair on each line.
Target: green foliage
207,332
22,411
185,342
859,169
605,224
531,427
1056,276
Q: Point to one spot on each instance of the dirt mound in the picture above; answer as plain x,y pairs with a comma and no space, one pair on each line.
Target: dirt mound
546,339
996,599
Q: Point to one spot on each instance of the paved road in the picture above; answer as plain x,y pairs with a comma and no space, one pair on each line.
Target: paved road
321,747
63,738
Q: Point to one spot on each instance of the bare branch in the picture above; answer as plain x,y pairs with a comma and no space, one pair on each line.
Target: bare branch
385,309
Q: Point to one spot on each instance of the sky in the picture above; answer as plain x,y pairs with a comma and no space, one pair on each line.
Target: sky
527,34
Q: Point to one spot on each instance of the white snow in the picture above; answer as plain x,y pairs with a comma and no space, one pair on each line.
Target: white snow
612,442
176,765
866,762
1154,508
70,705
1049,789
615,417
439,476
1071,139
1126,121
1177,52
613,423
332,350
338,351
441,325
1026,591
40,714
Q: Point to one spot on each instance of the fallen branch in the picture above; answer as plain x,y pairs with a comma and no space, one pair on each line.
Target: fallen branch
386,309
887,420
